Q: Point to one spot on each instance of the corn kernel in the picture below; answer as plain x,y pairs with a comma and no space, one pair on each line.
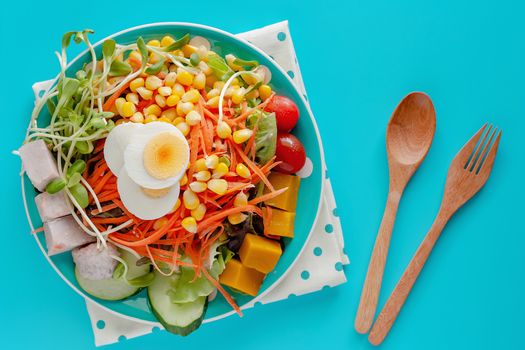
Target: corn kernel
242,135
212,161
135,56
137,117
144,93
200,81
150,118
218,85
219,186
164,120
184,77
188,50
203,175
220,171
241,200
229,59
170,79
161,100
154,43
164,91
176,206
243,171
169,113
223,130
119,102
200,165
184,108
178,120
173,68
210,80
191,96
120,121
160,222
193,118
153,109
167,41
153,82
136,83
133,98
128,109
190,200
203,66
178,89
178,53
237,218
229,91
184,128
198,214
198,186
238,95
172,100
154,58
252,79
212,93
189,224
184,180
252,94
213,102
265,91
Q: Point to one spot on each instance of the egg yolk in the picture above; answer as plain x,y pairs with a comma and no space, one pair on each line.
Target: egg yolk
163,155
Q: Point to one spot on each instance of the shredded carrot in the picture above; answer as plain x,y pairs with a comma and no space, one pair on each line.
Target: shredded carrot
253,167
267,196
111,100
225,294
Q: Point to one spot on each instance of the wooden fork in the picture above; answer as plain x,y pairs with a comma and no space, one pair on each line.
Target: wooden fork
467,174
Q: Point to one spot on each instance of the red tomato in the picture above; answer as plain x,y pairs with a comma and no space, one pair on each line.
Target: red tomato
289,151
286,112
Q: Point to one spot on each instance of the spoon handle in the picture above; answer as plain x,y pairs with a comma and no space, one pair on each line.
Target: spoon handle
376,267
395,302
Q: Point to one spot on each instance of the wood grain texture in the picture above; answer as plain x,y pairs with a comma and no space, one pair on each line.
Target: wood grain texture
463,182
408,138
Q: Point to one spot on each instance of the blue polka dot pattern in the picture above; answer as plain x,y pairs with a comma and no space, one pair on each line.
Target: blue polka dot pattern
305,275
101,324
122,338
329,228
290,73
339,266
318,251
281,36
335,212
155,329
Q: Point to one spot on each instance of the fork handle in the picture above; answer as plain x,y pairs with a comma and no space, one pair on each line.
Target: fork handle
395,302
374,276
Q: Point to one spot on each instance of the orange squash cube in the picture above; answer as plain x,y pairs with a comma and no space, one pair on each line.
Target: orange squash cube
260,253
288,199
241,278
281,223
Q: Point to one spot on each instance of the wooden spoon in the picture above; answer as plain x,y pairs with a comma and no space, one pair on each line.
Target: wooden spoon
408,138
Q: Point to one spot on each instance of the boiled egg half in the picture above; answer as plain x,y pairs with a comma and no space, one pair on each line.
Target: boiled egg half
149,161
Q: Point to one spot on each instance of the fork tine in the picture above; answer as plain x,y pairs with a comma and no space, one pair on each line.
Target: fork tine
484,152
464,154
486,166
478,151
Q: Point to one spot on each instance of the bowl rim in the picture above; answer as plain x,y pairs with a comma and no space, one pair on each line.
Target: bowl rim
243,41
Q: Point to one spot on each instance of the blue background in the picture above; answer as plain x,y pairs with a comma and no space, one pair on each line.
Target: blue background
358,60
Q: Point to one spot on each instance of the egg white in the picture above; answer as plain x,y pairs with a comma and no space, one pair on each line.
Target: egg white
134,156
140,204
116,143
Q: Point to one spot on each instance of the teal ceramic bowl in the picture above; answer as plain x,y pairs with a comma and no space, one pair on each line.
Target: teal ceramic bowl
309,195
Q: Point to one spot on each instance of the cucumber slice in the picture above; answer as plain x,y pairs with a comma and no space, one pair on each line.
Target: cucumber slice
180,319
114,289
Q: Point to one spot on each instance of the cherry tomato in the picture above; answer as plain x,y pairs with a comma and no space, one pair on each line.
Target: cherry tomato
289,151
286,112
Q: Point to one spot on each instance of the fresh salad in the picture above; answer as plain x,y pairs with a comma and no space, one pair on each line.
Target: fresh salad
164,165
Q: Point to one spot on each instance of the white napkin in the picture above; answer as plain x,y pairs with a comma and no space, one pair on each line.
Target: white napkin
321,263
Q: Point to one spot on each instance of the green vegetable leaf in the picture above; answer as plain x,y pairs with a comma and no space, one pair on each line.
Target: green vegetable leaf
51,106
178,43
108,49
225,160
119,68
84,147
155,68
243,63
219,67
55,185
143,49
77,167
66,39
73,180
69,87
119,271
80,194
142,281
97,123
266,135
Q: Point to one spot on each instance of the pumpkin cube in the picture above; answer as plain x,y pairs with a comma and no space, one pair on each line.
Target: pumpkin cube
281,223
260,253
288,199
241,278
